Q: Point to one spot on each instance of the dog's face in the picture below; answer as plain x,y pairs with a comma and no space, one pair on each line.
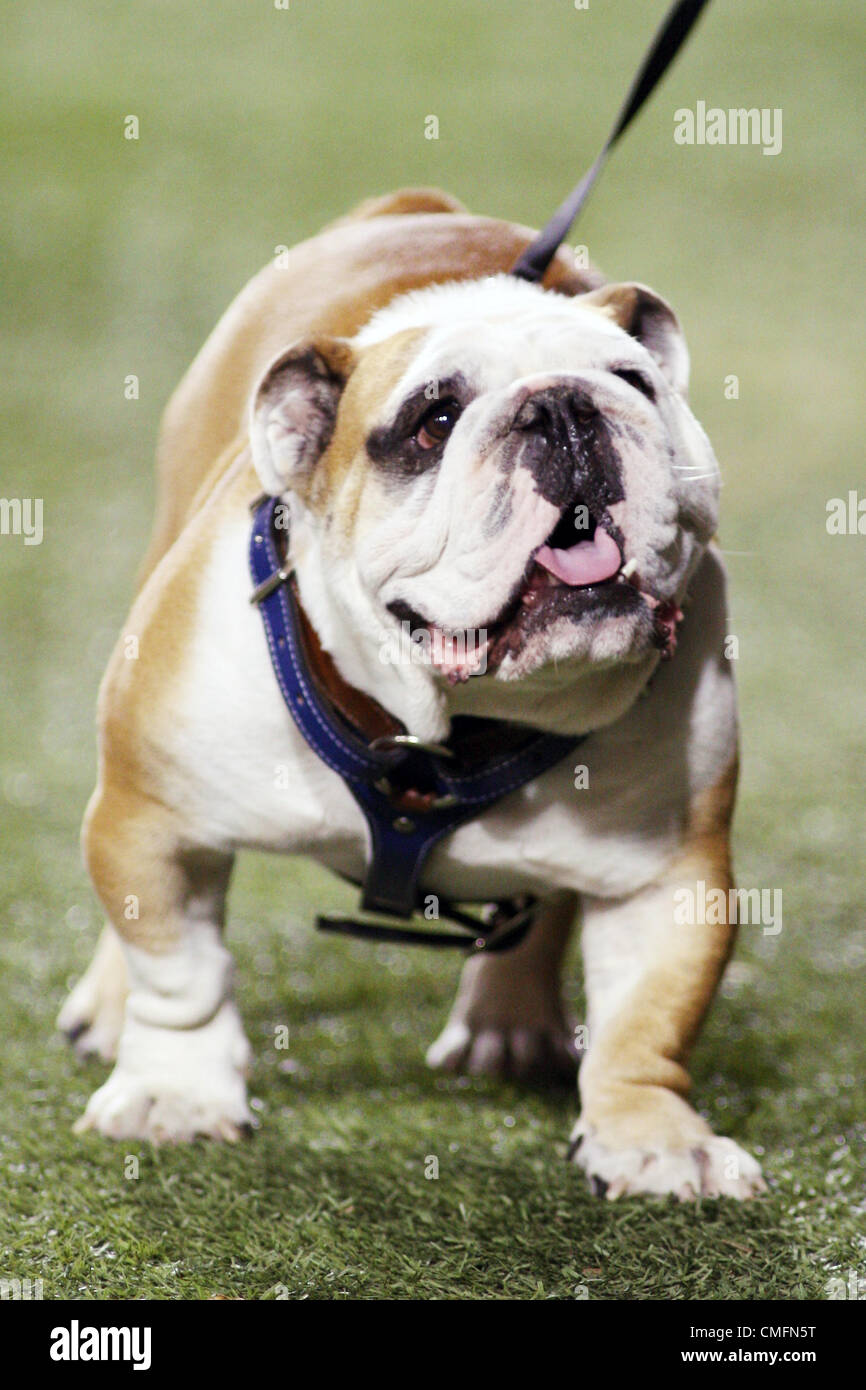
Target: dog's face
510,472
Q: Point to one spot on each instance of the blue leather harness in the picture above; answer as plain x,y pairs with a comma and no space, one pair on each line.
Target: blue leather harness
412,793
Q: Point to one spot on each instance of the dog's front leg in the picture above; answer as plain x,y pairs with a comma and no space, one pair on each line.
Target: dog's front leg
182,1052
508,1018
650,977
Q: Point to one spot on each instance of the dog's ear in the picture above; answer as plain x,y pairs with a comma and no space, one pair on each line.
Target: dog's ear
646,316
294,411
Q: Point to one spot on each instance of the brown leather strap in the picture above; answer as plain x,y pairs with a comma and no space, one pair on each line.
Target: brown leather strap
480,740
361,711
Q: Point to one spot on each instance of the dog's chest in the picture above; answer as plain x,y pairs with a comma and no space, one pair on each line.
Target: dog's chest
586,825
603,821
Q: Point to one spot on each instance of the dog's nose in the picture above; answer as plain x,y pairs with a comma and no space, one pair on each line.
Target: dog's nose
567,441
558,413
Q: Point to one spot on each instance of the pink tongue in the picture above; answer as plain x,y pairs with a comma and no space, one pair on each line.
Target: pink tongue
588,562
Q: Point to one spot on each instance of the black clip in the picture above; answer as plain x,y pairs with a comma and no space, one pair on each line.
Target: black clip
500,926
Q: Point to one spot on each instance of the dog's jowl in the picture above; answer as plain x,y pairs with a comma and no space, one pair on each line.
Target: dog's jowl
499,513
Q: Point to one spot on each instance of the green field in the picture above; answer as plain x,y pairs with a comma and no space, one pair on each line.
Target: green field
256,126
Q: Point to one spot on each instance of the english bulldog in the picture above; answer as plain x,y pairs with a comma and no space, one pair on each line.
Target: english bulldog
463,452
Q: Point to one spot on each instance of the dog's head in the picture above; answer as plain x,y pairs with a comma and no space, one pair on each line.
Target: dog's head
511,476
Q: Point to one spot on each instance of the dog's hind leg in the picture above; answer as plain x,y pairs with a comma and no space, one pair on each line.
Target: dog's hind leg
508,1019
182,1054
92,1015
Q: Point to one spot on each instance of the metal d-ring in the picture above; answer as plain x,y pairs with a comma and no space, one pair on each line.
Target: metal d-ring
412,741
439,750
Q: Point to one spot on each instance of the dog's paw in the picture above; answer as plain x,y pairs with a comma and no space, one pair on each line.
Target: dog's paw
171,1085
523,1054
92,1016
127,1107
714,1167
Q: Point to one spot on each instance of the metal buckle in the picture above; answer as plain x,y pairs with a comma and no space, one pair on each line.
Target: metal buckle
439,803
412,741
267,586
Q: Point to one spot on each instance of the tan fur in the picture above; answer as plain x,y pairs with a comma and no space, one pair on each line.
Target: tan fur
636,1068
136,695
133,855
403,202
131,843
377,371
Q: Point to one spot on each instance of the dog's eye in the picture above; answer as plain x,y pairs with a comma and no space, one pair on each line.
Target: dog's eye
436,425
637,380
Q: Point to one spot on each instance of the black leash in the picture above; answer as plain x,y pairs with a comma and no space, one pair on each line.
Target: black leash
667,43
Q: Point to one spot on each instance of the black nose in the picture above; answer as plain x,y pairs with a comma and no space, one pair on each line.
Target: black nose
559,413
568,446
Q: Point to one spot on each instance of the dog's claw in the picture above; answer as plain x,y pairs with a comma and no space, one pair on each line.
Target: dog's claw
535,1056
717,1167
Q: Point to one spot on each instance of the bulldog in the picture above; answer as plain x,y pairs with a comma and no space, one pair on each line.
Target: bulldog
462,452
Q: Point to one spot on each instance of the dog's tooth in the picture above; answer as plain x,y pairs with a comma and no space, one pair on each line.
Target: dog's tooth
629,569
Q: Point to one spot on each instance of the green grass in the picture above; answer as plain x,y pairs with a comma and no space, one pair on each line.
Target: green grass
256,127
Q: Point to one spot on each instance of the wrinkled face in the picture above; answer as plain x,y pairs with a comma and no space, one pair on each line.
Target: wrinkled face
511,472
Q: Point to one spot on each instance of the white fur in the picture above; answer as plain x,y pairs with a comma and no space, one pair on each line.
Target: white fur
235,747
500,300
92,1015
182,1054
171,1083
